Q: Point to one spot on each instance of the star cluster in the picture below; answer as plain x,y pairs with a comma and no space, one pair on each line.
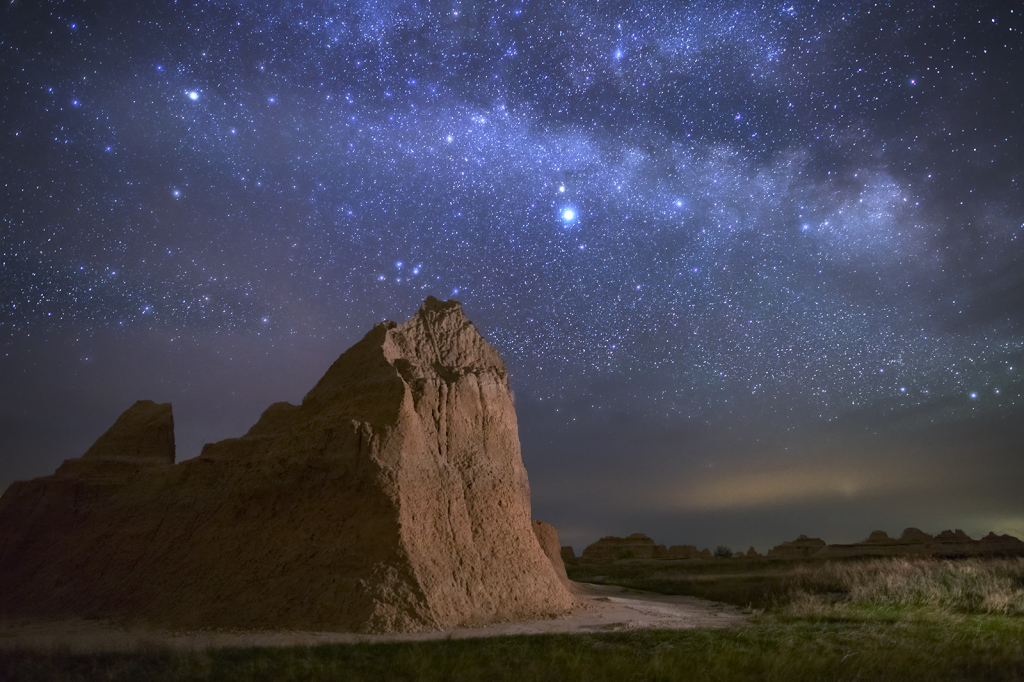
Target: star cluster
778,214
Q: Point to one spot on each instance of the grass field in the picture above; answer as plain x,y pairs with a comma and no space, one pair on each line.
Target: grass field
891,619
816,587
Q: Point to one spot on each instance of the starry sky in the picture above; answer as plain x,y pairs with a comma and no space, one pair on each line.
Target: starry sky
756,268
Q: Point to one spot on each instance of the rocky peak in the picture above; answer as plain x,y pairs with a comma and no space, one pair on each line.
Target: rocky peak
143,436
915,536
436,345
878,537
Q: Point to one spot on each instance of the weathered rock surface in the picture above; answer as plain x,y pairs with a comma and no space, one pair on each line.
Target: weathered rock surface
568,555
393,498
143,436
547,536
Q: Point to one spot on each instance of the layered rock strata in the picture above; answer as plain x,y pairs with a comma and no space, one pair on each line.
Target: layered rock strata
394,498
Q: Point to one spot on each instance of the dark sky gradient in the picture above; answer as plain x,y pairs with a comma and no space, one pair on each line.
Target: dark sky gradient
757,269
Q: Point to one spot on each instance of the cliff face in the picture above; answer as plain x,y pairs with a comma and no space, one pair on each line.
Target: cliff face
547,536
393,498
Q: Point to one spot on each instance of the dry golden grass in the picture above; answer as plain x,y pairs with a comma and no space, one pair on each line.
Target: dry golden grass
952,586
962,586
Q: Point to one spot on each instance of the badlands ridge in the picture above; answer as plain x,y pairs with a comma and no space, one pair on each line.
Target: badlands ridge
394,498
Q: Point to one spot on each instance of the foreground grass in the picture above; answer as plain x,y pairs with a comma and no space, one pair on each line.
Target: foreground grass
976,648
879,619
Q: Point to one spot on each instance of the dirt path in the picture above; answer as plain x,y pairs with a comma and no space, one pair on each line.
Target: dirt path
608,609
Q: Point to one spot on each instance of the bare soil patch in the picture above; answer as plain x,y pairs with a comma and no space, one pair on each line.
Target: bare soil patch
606,608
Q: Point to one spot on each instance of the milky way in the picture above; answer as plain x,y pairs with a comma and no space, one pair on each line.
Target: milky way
790,223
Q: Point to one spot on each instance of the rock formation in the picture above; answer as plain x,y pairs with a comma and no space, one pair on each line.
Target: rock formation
913,536
681,552
752,553
547,536
879,537
568,555
635,546
913,542
803,546
393,498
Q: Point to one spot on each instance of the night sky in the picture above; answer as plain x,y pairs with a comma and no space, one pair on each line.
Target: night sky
756,268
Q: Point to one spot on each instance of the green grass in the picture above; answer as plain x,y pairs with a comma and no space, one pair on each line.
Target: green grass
879,619
949,586
978,648
741,582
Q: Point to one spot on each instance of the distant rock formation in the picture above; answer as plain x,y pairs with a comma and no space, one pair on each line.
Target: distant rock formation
680,552
568,555
393,498
635,546
913,536
913,542
752,553
803,546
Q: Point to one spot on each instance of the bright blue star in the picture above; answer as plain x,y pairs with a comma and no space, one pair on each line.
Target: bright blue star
193,95
569,215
